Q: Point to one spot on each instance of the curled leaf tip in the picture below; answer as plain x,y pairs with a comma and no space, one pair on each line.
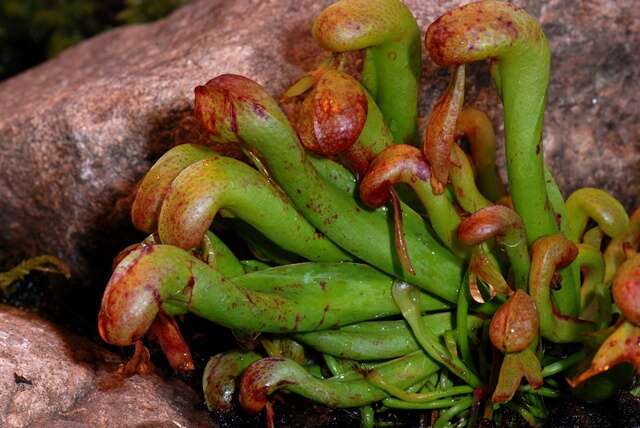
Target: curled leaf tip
487,223
138,288
479,30
333,113
396,164
548,254
219,103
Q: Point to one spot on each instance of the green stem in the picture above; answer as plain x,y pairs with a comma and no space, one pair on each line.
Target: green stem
420,397
460,406
564,364
407,299
476,127
395,403
464,184
595,294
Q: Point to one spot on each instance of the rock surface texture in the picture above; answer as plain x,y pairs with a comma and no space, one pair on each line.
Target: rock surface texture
77,132
51,378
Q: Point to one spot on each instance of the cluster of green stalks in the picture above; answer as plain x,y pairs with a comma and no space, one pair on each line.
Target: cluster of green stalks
390,271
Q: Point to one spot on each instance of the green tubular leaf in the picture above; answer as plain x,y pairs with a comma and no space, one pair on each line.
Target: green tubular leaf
237,110
462,322
350,389
389,32
442,214
515,42
416,397
205,187
379,340
294,298
405,164
395,403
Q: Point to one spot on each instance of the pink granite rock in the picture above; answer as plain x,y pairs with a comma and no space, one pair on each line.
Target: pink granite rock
78,131
50,377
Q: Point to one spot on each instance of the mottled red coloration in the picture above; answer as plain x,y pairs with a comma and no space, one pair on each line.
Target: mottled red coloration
515,324
203,110
514,367
400,163
219,102
441,129
120,322
459,36
626,289
166,332
357,159
256,385
345,26
333,113
487,223
622,346
554,251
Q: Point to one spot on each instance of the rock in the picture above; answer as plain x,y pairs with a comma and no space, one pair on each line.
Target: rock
51,378
78,131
